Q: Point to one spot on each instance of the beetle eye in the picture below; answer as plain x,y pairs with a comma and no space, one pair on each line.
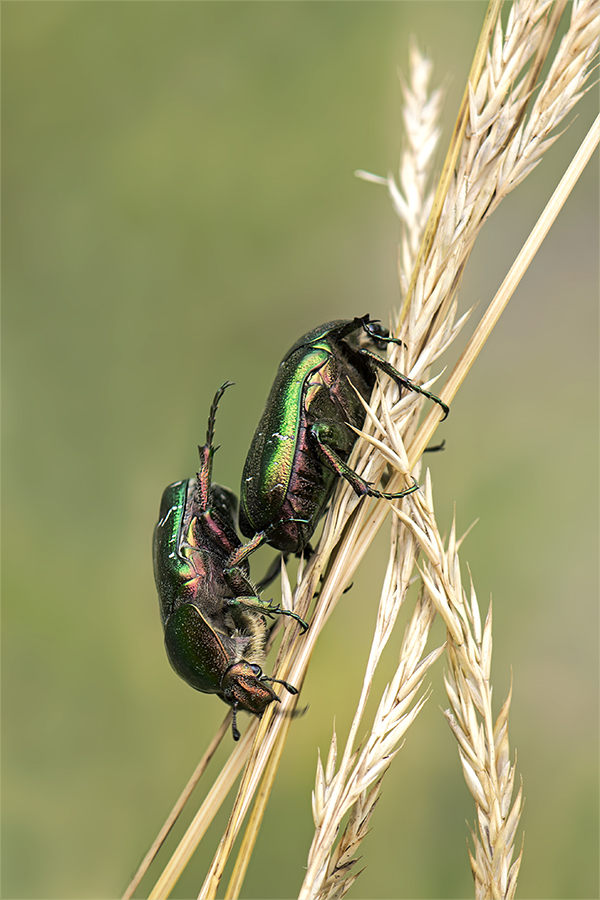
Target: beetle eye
256,669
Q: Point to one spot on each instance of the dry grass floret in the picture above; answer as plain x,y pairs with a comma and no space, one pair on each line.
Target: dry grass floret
355,785
482,744
496,143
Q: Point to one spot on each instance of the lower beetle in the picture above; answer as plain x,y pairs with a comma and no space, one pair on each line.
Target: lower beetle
304,438
213,620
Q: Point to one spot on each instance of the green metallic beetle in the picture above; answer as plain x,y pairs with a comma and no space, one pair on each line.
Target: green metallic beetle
213,619
304,438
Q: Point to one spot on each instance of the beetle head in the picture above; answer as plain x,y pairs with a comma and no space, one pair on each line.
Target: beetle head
373,332
245,687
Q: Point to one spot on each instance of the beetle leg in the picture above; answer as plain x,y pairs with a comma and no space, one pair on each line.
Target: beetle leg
243,552
401,380
245,593
266,609
239,583
234,729
320,431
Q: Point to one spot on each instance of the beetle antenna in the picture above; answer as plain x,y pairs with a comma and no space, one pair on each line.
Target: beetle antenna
436,448
378,335
287,686
293,713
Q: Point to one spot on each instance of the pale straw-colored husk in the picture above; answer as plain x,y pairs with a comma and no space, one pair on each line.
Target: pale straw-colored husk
502,131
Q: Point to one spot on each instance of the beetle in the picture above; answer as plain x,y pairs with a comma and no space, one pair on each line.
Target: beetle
213,619
304,438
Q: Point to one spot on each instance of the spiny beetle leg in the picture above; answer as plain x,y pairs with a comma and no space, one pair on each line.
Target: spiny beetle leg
243,552
204,475
260,538
402,380
266,609
280,611
213,410
414,487
360,486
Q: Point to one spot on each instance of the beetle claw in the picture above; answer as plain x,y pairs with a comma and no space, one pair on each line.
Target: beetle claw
280,611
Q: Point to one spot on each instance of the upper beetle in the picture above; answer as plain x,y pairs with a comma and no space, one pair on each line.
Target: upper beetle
213,619
304,438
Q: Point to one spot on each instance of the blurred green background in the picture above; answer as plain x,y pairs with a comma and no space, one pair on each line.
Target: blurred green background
179,206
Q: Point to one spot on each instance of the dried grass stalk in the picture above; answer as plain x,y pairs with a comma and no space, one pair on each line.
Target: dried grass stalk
177,808
482,743
500,147
412,197
355,785
497,151
506,880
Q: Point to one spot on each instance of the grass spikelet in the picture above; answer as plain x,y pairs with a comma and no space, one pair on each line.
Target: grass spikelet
482,743
360,771
412,196
503,128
